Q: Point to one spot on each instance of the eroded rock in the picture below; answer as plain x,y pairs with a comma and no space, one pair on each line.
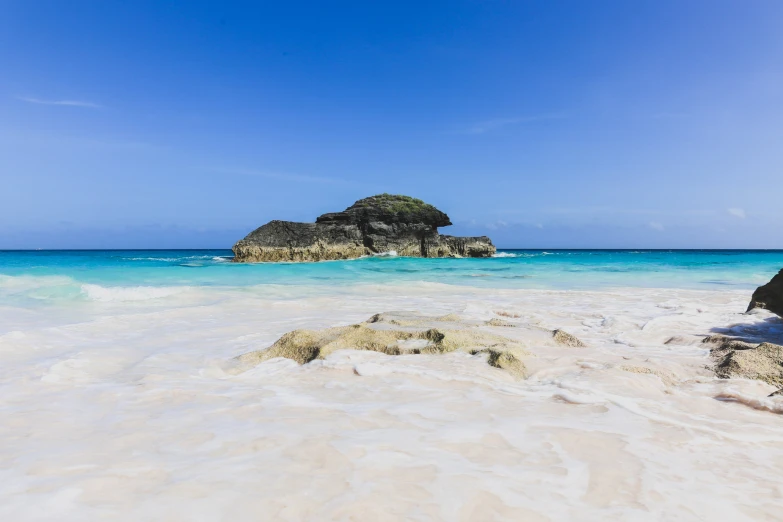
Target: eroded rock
395,334
734,358
566,339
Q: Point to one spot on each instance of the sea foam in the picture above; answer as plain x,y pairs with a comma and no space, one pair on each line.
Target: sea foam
131,293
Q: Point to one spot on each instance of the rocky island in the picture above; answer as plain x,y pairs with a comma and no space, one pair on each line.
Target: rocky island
384,223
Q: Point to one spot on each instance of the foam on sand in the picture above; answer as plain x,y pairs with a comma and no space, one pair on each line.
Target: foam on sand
135,293
772,404
128,405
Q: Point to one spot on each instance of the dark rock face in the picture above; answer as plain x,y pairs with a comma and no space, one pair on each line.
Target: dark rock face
769,296
373,225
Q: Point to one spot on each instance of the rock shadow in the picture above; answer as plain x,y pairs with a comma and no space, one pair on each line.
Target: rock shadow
770,330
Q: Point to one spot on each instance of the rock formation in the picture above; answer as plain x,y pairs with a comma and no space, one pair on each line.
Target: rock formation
374,225
735,358
395,334
408,333
769,296
566,339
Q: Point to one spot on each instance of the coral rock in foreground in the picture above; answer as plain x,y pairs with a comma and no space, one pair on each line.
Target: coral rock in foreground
735,358
402,333
373,225
769,296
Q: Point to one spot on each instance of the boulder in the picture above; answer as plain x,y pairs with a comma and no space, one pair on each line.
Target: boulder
735,358
374,225
769,296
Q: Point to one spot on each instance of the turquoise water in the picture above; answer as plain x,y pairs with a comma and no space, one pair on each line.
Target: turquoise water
48,274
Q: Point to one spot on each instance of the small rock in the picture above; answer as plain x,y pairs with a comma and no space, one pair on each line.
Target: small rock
566,339
499,322
738,359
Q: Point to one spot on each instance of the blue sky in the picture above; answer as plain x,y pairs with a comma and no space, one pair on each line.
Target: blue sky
571,124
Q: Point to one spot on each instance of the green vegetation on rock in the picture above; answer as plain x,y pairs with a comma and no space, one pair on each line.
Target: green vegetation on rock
396,203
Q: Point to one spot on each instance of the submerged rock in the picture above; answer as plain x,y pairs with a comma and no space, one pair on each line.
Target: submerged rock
668,378
769,296
499,322
374,225
734,358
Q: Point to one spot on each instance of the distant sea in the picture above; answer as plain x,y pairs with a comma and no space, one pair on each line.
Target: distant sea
85,274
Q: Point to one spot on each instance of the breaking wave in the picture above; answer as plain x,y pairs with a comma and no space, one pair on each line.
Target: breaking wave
521,254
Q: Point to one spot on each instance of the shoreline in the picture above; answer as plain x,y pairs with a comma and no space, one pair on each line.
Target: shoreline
129,409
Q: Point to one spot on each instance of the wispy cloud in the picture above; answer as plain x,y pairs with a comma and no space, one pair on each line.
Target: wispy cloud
483,127
670,115
656,226
65,103
737,212
606,211
300,178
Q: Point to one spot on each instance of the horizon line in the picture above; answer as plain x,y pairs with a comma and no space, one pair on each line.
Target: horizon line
561,249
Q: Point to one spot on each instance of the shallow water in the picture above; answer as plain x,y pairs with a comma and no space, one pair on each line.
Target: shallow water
117,401
564,269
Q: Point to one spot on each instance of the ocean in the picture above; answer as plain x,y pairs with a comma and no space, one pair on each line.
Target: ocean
87,274
120,400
